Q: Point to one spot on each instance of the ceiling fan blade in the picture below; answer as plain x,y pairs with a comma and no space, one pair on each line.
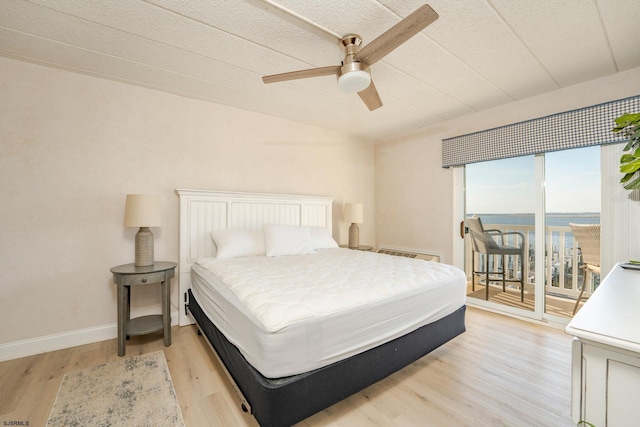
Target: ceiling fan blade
396,35
370,97
302,74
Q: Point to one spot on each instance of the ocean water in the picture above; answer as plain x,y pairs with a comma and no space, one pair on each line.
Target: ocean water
553,219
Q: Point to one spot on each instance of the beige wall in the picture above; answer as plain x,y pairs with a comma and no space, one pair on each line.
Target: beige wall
72,147
414,195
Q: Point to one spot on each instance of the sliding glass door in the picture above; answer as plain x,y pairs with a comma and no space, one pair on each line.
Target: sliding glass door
500,196
529,263
572,194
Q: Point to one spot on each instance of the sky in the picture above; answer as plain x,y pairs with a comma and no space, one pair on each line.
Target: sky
572,183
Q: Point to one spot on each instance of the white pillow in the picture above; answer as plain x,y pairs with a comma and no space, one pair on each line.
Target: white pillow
287,240
238,243
321,238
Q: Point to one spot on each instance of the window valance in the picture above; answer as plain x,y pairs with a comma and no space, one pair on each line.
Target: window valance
571,129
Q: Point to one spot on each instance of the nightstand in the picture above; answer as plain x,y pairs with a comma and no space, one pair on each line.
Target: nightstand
127,275
359,248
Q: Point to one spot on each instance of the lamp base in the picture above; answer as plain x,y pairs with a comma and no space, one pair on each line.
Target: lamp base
144,247
354,236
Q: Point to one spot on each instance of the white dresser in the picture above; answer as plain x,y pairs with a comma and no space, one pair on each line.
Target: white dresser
605,377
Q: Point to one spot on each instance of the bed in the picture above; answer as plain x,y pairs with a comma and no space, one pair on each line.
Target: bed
261,344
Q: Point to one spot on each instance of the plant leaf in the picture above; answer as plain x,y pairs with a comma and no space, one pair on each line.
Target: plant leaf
630,167
633,185
626,158
626,178
629,125
628,118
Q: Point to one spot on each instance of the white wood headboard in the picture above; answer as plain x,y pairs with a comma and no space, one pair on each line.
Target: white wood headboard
204,211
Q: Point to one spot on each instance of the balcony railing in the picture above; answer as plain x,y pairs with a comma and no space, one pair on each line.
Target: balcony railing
562,259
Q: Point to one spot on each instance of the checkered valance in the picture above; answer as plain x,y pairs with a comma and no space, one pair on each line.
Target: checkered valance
571,129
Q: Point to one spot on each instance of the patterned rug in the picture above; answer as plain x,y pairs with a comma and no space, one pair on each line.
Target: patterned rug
137,391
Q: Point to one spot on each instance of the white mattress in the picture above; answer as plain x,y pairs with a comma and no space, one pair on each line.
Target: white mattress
293,314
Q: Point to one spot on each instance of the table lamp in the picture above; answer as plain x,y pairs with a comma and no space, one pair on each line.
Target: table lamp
143,210
354,213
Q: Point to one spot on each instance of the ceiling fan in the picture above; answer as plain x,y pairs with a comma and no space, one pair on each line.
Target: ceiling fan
354,75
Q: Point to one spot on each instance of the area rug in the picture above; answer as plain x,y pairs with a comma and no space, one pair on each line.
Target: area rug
136,391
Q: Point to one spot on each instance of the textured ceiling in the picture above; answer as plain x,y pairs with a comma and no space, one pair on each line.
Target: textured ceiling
479,54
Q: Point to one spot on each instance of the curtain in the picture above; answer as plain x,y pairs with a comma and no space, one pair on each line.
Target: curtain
571,129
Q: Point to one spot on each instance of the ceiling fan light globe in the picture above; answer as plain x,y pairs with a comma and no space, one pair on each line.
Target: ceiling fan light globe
354,81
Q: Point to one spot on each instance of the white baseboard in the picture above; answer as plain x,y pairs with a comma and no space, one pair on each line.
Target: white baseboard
47,343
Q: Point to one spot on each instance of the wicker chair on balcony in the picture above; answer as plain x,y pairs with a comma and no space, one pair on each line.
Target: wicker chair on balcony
587,240
490,243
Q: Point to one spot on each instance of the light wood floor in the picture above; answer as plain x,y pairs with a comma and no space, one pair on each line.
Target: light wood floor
500,372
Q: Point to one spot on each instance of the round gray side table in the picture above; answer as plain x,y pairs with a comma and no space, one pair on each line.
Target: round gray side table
127,275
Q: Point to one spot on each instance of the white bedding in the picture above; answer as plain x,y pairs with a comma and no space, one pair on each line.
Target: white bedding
293,314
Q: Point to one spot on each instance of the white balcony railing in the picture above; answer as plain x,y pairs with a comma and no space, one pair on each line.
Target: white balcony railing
562,275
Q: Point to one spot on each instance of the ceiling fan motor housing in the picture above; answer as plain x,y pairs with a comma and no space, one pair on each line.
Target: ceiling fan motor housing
354,76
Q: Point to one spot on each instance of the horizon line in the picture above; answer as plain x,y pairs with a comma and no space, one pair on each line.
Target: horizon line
548,213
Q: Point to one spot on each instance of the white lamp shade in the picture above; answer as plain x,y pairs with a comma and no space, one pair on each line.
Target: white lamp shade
353,213
354,81
142,210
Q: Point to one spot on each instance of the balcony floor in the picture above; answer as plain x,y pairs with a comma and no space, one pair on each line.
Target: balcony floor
556,305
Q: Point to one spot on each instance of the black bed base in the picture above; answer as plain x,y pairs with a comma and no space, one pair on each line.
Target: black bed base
286,401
